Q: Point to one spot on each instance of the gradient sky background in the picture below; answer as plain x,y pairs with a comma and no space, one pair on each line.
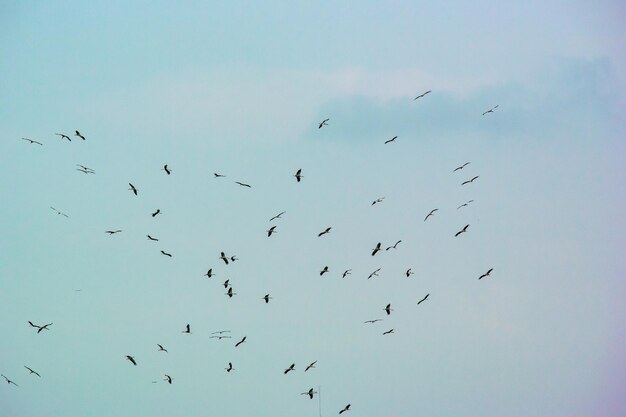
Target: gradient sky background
238,88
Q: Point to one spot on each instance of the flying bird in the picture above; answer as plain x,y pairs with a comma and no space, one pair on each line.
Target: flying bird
486,274
463,230
63,136
131,359
298,175
371,321
346,273
461,167
112,232
224,258
267,298
230,292
464,204
391,140
167,170
161,348
187,329
230,367
422,95
234,258
291,368
430,214
166,254
271,230
310,393
468,181
40,328
423,299
243,184
156,212
32,372
323,123
374,274
152,238
388,332
346,408
311,365
168,379
9,381
209,273
491,109
394,246
323,271
226,283
216,175
132,188
221,332
32,141
77,133
324,232
408,273
388,309
278,215
84,168
58,212
378,200
376,249
220,337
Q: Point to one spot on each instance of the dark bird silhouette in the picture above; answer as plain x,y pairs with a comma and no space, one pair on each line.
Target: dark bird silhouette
132,188
346,273
243,184
32,141
168,379
84,168
221,332
468,181
152,238
374,274
486,274
323,123
77,133
9,381
324,232
230,292
166,254
291,368
388,309
224,258
230,367
394,246
422,95
63,136
131,359
233,258
167,170
85,171
465,204
278,215
463,230
187,329
40,328
271,230
209,273
491,109
461,167
220,337
310,393
112,232
311,365
346,408
267,298
372,321
298,175
226,283
161,348
430,214
408,273
376,249
156,212
58,212
391,140
323,271
378,200
423,299
216,175
32,372
388,332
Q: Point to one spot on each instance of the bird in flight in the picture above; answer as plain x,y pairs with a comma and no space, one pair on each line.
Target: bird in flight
463,230
271,230
243,184
224,258
461,167
161,348
378,200
422,95
234,258
408,272
310,393
376,249
9,381
112,232
346,408
86,170
166,254
32,141
491,109
226,283
423,299
323,271
468,181
32,372
220,337
430,214
372,321
323,123
156,212
168,379
394,246
221,332
152,238
77,133
230,293
346,273
291,368
187,329
58,212
388,332
311,365
464,204
63,136
167,170
298,175
230,367
486,274
131,359
132,188
267,298
391,140
388,309
216,175
278,215
209,273
374,274
40,328
324,232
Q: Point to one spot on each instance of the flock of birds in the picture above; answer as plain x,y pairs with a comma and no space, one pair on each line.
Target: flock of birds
228,259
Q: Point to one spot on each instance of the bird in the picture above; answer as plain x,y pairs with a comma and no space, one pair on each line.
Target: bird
324,232
221,332
243,184
58,212
371,321
209,273
423,299
112,232
85,171
461,167
310,393
468,181
9,381
63,136
298,175
486,274
156,212
271,230
378,200
323,123
323,271
166,254
32,141
388,309
291,368
84,168
388,332
374,274
152,238
376,249
168,379
77,133
430,214
311,365
161,348
491,109
408,272
464,204
226,283
132,188
216,175
278,215
394,246
391,140
463,230
32,372
267,298
224,258
422,95
230,367
230,292
131,359
346,408
166,169
40,328
346,273
187,329
233,258
220,337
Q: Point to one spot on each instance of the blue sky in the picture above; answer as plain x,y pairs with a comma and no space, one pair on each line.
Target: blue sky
239,89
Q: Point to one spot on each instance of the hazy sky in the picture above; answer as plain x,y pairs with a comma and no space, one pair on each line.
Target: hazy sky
239,88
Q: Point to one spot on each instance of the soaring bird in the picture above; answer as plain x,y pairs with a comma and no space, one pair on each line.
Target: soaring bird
465,204
323,123
278,215
32,372
291,368
388,332
166,254
271,230
131,359
346,408
166,169
430,214
161,348
324,232
112,232
77,133
378,200
221,332
152,238
491,109
132,188
220,337
230,292
156,212
85,171
58,212
371,321
391,140
9,381
298,175
461,167
32,141
243,184
394,246
376,249
63,136
346,273
40,328
226,283
423,299
209,273
224,258
84,168
323,271
422,95
310,393
216,175
468,181
187,329
267,298
463,230
230,367
388,309
168,379
311,365
234,258
374,274
486,274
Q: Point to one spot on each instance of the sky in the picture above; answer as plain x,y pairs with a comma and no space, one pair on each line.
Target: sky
239,88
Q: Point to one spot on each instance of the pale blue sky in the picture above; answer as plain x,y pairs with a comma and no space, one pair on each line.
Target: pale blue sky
239,88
